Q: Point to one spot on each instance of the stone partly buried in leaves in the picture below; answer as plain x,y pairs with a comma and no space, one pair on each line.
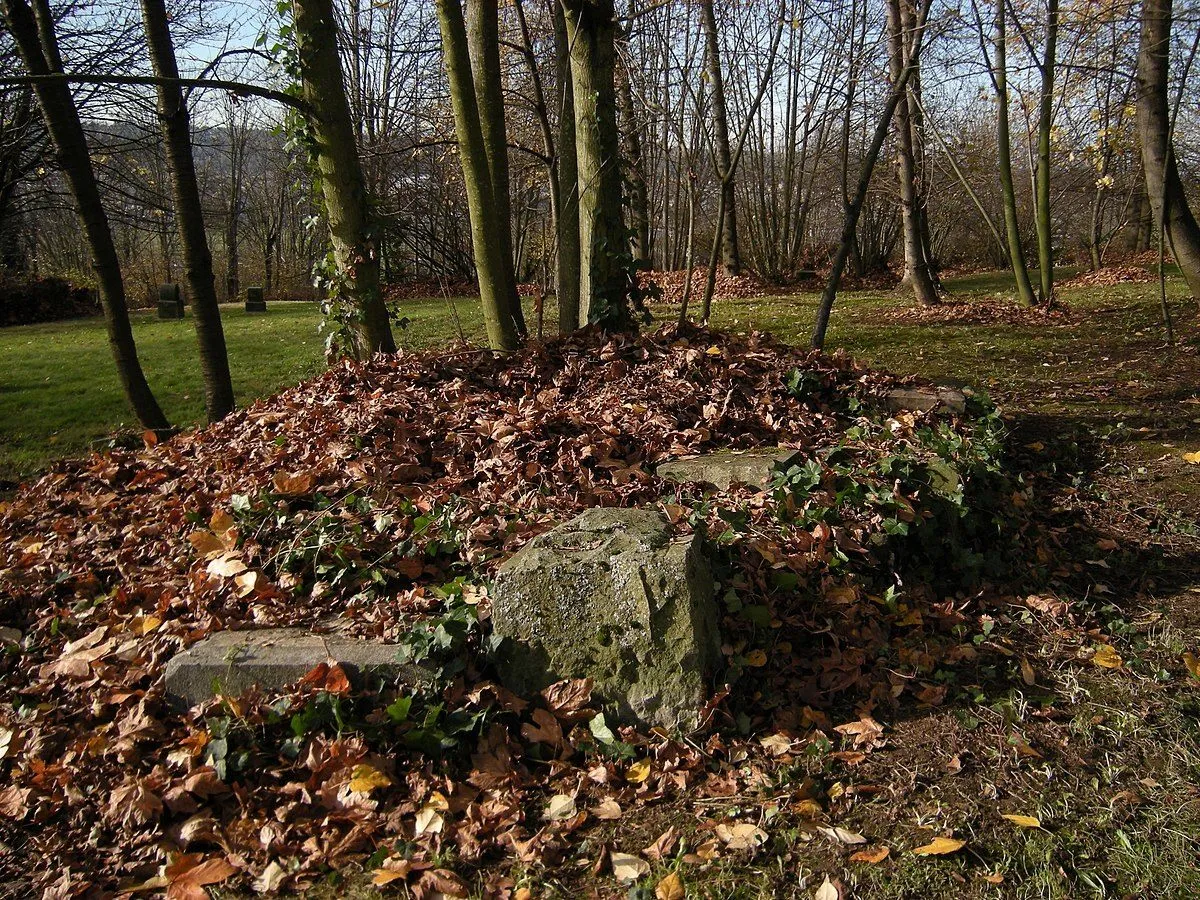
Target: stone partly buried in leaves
614,596
725,468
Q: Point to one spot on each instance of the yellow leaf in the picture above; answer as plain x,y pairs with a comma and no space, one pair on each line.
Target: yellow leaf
1192,663
670,888
756,658
226,566
428,821
872,855
365,779
246,583
713,350
149,624
940,847
1108,658
220,521
842,594
638,772
1193,457
206,542
1024,821
808,809
293,485
387,876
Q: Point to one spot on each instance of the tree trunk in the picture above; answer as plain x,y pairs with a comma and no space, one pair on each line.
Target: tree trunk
40,56
1012,224
189,215
635,177
730,255
1163,185
351,223
567,272
591,27
850,226
492,263
1045,224
483,46
916,266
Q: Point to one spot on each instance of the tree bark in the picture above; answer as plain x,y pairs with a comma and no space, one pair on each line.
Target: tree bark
1163,185
639,207
490,256
38,47
604,286
1045,224
916,265
1012,223
352,228
731,258
483,46
189,215
567,271
850,226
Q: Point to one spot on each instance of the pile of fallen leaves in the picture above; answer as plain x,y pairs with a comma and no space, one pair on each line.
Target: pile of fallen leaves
1110,276
980,312
404,473
727,287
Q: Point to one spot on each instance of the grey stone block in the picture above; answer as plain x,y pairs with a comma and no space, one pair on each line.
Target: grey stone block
231,662
926,399
612,596
726,468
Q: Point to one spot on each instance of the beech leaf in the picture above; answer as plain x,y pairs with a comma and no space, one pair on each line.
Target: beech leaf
940,846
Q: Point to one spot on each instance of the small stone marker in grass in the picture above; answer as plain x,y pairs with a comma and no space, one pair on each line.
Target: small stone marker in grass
726,468
231,662
614,596
255,300
170,302
926,399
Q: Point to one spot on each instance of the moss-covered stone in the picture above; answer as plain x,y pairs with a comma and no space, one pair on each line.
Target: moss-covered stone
612,596
725,468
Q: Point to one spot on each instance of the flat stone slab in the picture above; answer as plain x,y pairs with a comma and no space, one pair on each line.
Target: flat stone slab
926,399
232,662
613,596
726,468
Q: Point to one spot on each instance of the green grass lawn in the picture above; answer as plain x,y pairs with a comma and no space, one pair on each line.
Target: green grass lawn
59,393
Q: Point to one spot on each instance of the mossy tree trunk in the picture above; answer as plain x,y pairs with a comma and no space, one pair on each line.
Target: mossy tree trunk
604,282
483,45
635,171
567,271
492,262
731,258
998,73
917,274
38,48
1045,222
1164,188
352,226
189,214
